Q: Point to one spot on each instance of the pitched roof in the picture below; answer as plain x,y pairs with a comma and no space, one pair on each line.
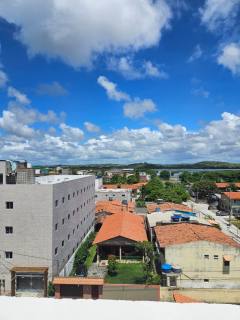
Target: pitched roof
114,206
167,206
126,225
174,234
232,195
134,186
222,185
180,298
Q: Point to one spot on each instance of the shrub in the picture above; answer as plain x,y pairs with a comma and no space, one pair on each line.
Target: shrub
51,289
112,265
91,255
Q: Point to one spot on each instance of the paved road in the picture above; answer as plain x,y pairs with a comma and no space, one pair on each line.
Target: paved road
202,210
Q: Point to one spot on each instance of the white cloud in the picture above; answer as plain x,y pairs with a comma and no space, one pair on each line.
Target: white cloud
111,89
3,79
217,13
197,53
19,96
137,108
91,127
51,89
131,69
77,31
230,57
201,92
71,133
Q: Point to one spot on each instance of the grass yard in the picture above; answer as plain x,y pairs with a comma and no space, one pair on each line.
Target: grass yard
236,223
127,273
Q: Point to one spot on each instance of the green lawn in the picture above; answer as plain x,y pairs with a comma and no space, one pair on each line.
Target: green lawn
127,273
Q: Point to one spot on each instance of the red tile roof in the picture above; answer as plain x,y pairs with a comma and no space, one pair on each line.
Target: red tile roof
114,206
180,298
167,206
78,281
232,195
134,186
174,234
126,225
223,185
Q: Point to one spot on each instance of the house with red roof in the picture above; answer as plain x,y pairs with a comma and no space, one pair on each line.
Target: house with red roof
119,235
197,256
231,200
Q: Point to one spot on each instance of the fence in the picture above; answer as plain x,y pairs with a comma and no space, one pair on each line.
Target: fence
131,292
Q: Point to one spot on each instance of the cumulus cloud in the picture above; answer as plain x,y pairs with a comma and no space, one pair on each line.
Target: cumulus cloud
77,31
135,70
219,13
71,134
137,108
111,90
230,57
197,53
51,89
19,96
167,143
3,79
91,127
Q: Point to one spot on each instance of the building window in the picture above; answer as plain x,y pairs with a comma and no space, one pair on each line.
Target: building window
56,250
73,231
8,254
63,199
73,212
69,197
215,257
56,203
56,226
73,194
68,216
9,205
226,267
77,192
63,220
206,280
1,178
68,236
8,229
77,209
77,226
206,256
63,243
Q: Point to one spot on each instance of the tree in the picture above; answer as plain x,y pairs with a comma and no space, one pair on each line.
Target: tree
112,265
204,188
132,179
165,175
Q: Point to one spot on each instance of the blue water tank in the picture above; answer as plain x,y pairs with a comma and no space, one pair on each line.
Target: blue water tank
167,268
176,269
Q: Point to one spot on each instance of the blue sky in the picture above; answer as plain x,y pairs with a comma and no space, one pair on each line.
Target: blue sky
119,81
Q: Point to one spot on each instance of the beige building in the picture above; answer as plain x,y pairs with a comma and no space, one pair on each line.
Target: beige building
199,256
230,200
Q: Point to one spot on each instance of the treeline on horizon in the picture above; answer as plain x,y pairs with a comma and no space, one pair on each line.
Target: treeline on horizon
144,166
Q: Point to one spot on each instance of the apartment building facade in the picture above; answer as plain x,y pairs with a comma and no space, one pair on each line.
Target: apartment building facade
41,226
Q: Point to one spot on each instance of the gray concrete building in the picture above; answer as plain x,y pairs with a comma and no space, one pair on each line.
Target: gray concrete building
41,226
113,194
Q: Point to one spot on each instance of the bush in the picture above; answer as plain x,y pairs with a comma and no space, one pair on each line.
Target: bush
51,289
91,255
153,278
112,265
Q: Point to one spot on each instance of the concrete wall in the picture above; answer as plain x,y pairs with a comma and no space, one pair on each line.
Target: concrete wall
116,194
34,217
196,267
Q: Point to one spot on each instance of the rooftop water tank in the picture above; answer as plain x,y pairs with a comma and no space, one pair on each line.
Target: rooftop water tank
166,268
176,269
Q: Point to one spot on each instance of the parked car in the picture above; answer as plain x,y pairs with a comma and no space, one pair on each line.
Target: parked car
222,213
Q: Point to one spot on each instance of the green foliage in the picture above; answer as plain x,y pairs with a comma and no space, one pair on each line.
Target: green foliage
131,273
214,176
140,203
204,188
153,278
51,289
91,255
165,175
172,192
133,179
112,265
82,253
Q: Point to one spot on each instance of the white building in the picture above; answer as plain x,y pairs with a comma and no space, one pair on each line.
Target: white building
113,194
41,226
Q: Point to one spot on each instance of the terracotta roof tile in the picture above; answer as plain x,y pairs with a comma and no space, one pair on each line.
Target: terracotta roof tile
174,234
114,206
167,206
223,185
78,281
232,195
126,225
180,298
134,186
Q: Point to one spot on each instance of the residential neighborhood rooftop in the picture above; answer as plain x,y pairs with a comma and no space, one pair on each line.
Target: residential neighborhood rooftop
223,185
134,186
126,225
174,234
54,179
167,206
232,195
114,206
